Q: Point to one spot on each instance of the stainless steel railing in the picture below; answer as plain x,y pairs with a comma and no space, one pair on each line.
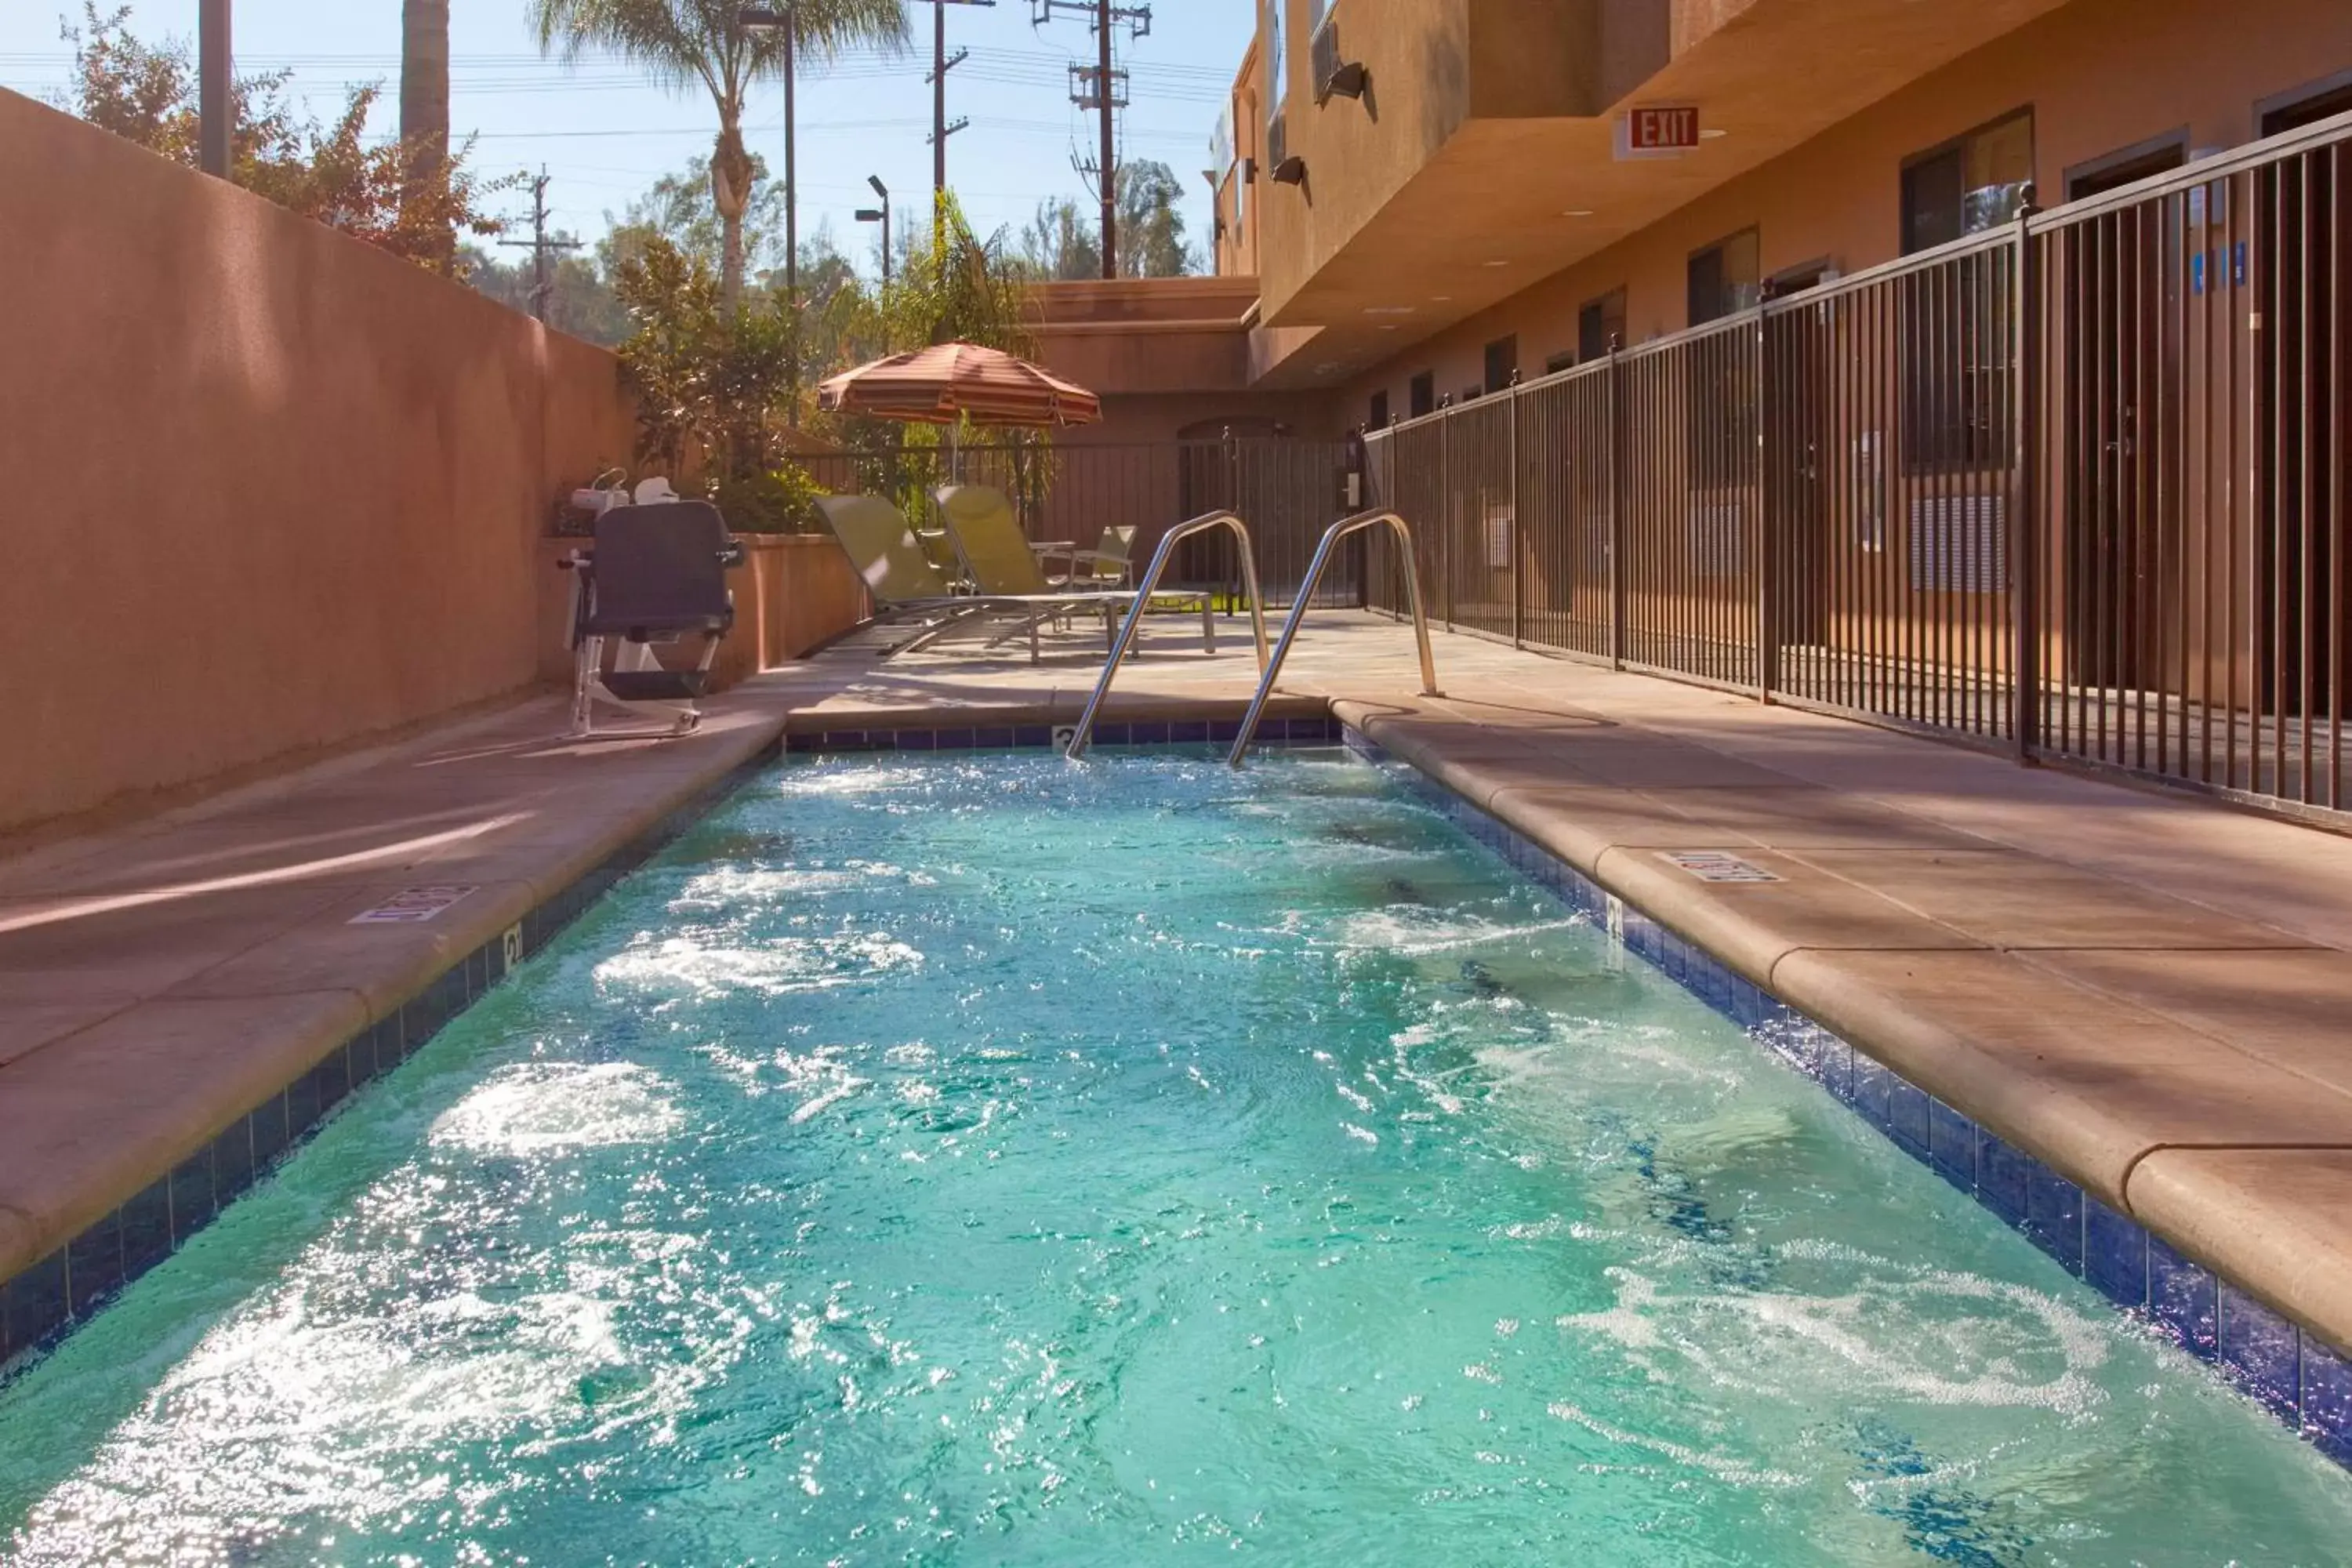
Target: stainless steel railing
1402,531
1143,591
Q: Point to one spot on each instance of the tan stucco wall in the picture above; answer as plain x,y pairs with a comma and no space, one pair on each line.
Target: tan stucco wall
270,489
2099,74
1417,52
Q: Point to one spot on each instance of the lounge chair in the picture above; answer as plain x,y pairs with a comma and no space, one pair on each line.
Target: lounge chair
1109,565
988,535
656,576
908,589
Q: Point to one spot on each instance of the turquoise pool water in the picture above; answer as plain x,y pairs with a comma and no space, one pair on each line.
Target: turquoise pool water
980,1160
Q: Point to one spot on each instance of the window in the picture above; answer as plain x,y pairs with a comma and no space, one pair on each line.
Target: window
1969,184
1564,360
2123,168
1601,325
2306,106
1420,395
1276,144
1502,363
1797,279
1726,278
1379,410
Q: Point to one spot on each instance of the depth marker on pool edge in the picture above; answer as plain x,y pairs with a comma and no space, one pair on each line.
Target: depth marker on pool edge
1717,865
412,905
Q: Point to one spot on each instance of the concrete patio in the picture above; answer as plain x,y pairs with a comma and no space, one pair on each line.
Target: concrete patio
2146,991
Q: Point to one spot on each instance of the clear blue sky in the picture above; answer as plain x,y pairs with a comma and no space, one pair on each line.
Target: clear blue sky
603,135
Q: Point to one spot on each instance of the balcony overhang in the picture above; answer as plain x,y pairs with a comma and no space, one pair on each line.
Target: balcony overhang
1486,214
1131,336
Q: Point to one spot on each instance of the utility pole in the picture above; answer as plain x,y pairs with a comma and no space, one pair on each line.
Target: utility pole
1102,87
755,18
538,245
215,94
942,63
1107,180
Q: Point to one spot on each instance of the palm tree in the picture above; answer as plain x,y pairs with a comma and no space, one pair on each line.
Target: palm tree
684,43
424,99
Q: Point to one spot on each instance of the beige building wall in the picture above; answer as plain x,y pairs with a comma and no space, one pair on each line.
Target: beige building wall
2099,74
270,489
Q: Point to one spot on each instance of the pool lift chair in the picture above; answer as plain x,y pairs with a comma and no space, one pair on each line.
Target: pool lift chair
655,577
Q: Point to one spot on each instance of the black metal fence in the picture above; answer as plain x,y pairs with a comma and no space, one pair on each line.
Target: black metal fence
2075,487
1288,491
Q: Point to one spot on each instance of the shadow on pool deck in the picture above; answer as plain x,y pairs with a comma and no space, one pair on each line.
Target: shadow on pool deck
2150,993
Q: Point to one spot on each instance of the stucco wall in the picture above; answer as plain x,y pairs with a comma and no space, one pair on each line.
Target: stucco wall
270,490
2099,74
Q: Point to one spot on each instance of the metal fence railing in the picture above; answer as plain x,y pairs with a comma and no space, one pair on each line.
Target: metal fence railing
2075,487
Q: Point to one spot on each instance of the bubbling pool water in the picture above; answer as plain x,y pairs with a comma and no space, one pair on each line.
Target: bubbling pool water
986,1161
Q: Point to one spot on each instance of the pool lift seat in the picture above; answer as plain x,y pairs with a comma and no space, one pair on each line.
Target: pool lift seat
656,576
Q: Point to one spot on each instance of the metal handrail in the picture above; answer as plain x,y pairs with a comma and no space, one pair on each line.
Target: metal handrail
1150,581
1331,537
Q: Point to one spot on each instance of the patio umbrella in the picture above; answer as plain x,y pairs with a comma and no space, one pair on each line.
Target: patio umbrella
941,384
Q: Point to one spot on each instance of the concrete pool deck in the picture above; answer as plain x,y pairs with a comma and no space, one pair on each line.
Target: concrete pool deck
2151,993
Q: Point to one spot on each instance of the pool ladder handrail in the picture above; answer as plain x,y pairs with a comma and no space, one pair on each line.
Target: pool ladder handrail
1402,530
1144,588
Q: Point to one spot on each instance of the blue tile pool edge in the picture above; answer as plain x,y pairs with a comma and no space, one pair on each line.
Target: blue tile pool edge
49,1298
2299,1377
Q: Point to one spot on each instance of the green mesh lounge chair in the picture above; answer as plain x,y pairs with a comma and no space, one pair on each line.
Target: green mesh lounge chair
908,590
988,536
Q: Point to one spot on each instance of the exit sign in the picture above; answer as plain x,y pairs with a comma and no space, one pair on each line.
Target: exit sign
1657,130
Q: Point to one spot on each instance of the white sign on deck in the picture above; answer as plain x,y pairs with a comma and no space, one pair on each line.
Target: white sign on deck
412,905
1717,865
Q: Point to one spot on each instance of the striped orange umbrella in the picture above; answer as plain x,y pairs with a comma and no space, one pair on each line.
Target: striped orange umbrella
938,384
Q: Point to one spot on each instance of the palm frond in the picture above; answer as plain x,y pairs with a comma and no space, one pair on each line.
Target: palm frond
828,28
671,40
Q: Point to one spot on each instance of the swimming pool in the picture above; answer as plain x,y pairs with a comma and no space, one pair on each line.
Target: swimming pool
963,1159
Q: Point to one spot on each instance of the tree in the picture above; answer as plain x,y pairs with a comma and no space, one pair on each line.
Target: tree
146,93
691,43
580,298
1150,227
424,99
1063,242
954,286
679,208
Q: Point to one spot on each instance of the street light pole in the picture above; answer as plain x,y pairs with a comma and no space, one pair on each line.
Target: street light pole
215,94
880,215
758,19
792,188
771,19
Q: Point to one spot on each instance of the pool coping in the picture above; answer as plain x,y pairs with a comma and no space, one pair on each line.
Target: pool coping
2221,1316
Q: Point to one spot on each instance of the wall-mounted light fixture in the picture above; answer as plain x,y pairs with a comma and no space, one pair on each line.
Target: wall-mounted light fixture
1291,171
1348,81
1333,76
